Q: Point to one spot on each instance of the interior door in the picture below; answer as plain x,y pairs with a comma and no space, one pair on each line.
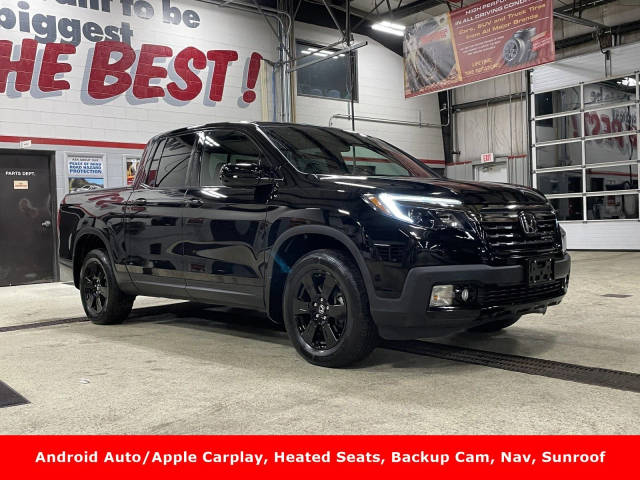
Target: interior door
154,225
224,226
26,226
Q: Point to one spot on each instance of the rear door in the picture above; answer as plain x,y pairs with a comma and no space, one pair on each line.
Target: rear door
155,220
26,229
224,226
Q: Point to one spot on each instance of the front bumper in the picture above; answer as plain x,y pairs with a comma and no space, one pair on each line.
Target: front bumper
409,316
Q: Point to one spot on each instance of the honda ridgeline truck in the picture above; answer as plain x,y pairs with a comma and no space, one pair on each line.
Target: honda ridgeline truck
341,237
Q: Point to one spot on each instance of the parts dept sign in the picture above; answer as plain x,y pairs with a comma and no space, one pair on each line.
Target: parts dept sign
53,33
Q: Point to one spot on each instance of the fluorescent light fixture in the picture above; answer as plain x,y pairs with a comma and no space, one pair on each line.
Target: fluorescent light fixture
388,27
321,54
628,82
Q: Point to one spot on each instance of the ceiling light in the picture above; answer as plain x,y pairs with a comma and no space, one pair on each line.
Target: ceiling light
388,27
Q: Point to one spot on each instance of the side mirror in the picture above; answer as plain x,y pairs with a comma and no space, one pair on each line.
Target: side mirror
243,175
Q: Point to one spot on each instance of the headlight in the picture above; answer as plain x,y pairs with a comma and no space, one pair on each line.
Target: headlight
563,235
426,211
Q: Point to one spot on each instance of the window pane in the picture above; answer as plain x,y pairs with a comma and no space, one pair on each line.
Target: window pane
180,145
568,208
617,149
558,101
611,120
617,90
623,177
561,155
560,182
611,207
153,167
558,128
221,147
327,79
363,161
330,151
174,162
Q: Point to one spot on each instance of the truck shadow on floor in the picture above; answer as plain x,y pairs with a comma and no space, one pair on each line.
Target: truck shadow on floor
253,325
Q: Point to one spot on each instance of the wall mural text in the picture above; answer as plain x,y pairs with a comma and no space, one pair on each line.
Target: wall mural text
113,66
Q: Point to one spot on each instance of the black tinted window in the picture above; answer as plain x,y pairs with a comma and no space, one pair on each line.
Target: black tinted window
154,161
224,146
172,171
330,151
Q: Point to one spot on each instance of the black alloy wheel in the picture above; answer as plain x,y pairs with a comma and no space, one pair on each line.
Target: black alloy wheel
320,310
103,301
326,310
95,288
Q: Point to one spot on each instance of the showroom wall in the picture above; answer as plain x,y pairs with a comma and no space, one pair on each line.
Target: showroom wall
499,128
71,102
77,105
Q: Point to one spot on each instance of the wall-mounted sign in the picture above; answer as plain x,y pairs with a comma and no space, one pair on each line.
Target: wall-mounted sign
487,158
21,184
81,165
85,171
485,39
25,143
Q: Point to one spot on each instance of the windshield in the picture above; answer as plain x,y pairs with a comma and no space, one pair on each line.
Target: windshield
329,151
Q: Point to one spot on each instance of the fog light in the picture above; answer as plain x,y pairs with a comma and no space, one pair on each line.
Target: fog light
441,296
464,294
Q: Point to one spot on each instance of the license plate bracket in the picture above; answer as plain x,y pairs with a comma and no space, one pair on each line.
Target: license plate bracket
540,270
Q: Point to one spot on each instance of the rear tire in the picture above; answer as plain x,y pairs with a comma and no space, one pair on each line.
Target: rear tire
102,300
326,310
496,325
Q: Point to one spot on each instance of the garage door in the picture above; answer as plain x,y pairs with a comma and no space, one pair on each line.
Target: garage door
585,146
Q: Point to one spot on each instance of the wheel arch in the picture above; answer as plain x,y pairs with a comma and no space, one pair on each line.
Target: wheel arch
295,243
87,240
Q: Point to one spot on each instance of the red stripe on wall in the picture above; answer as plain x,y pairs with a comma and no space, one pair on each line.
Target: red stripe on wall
73,143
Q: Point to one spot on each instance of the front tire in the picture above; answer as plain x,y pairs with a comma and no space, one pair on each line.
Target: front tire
102,300
326,310
496,325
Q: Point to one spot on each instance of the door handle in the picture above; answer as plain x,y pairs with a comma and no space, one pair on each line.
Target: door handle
194,202
46,223
140,201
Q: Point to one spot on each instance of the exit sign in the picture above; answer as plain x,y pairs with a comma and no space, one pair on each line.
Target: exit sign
486,158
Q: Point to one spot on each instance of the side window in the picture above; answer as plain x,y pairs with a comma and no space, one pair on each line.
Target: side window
153,162
172,170
220,147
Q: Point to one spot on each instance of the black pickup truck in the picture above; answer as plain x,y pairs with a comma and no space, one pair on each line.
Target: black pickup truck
341,237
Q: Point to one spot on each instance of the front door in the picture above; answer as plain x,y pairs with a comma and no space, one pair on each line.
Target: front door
224,226
26,226
154,224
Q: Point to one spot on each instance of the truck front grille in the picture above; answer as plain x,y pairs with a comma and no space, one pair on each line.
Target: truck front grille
520,294
506,237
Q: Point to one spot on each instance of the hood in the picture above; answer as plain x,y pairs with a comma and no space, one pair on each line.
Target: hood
478,193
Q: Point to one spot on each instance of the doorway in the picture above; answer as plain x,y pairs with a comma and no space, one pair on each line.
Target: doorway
27,230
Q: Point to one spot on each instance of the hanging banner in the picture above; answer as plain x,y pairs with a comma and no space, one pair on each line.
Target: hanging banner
484,40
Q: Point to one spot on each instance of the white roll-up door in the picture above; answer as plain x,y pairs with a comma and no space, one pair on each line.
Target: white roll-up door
585,146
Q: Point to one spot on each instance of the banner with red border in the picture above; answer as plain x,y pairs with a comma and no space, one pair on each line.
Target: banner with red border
483,40
157,457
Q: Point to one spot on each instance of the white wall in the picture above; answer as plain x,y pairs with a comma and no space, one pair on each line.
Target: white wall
380,94
73,114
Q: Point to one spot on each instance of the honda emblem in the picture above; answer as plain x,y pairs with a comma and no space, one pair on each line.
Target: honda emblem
528,223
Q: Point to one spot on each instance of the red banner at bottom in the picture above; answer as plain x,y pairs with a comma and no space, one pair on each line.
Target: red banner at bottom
283,456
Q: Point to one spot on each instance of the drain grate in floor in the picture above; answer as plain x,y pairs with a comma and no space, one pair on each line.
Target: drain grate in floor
616,295
601,377
9,397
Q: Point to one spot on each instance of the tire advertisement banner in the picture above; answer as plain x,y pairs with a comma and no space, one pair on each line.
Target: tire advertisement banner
484,40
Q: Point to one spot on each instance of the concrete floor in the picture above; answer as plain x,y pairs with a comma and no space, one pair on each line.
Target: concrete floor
181,369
